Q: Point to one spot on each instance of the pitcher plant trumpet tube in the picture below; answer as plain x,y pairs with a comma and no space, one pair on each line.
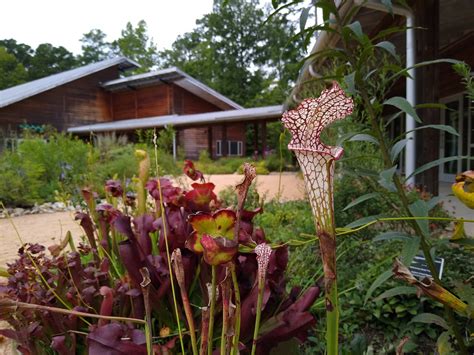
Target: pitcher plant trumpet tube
316,160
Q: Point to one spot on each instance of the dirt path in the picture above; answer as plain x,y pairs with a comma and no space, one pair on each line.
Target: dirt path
49,228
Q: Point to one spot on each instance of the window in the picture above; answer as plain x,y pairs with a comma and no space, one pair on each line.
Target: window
218,148
235,147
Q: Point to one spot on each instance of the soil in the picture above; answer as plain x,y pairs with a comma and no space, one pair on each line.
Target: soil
50,228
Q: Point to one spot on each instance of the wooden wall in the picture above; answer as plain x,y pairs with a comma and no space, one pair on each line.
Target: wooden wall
195,140
144,102
185,102
81,101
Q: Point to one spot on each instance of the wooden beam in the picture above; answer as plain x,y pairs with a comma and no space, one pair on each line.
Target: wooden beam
224,143
255,143
264,138
428,140
209,142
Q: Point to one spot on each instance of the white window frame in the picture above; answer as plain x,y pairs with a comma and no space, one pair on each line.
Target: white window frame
218,148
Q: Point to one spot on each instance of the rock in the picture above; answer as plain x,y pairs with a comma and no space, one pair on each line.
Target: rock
59,206
18,211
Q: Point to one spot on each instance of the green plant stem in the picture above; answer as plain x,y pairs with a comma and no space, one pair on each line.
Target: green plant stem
168,256
9,303
235,282
225,316
332,321
261,287
212,309
424,245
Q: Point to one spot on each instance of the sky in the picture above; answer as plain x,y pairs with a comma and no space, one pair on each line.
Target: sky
63,22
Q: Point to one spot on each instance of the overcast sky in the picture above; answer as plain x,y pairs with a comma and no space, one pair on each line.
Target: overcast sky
63,22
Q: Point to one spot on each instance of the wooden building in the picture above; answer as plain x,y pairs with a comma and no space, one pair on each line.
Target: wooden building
441,29
95,98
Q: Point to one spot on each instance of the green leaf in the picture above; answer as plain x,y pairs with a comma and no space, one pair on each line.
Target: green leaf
364,138
397,148
362,221
420,209
304,17
444,345
410,249
430,318
421,64
440,127
402,104
389,47
350,83
357,29
388,5
436,162
361,199
392,236
377,283
433,202
396,291
386,178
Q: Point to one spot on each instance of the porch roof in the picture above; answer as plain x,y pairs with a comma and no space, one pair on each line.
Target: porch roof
177,77
242,115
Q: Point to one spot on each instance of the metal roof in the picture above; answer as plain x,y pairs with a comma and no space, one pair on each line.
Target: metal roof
248,114
26,90
179,78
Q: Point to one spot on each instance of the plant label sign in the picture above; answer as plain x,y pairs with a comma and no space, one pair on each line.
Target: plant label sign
419,268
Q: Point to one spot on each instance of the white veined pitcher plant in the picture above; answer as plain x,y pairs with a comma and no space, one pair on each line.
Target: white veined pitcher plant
316,160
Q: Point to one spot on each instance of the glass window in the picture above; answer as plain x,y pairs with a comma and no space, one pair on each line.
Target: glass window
235,147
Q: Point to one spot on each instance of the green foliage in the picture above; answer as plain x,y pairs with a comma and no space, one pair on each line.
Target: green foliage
234,52
136,44
12,72
94,47
218,166
49,60
47,166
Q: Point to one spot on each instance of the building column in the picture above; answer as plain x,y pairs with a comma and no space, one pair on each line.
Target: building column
224,141
209,142
264,138
255,142
428,140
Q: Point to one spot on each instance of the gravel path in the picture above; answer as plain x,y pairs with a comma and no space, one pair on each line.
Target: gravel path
50,228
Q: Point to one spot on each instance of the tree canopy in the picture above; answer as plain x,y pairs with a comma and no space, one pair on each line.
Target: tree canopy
240,54
12,72
134,43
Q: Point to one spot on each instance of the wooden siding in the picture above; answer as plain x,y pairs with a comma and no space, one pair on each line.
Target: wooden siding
143,102
234,132
193,141
185,102
79,102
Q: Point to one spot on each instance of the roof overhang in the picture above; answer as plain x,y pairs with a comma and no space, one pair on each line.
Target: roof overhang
177,77
183,121
23,91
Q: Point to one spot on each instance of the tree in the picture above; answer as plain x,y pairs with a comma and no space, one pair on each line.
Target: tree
22,52
50,60
12,72
94,47
234,51
138,46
